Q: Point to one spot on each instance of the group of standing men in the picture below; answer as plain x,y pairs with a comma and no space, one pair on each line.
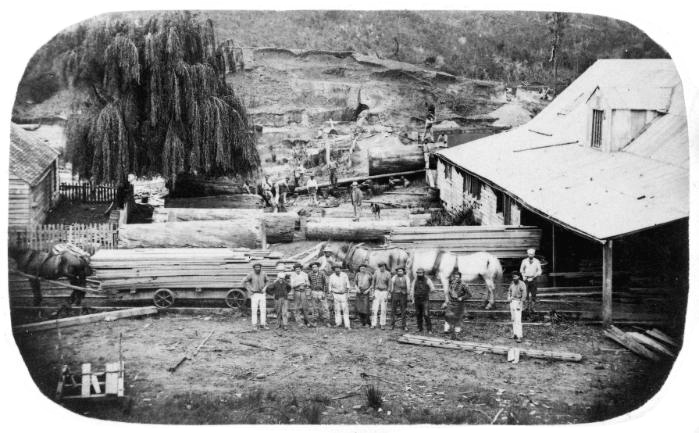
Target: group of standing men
307,294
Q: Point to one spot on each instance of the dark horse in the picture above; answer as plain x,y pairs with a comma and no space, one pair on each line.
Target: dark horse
62,261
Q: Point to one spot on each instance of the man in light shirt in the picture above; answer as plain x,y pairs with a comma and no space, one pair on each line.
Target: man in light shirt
256,284
312,186
530,270
300,284
379,292
339,284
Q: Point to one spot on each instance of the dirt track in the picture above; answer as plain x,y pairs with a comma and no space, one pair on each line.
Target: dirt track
229,382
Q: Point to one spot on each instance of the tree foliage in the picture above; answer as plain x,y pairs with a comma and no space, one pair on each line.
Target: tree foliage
159,102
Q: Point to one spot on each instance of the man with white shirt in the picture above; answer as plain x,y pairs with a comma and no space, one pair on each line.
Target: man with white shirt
530,270
256,283
312,186
339,284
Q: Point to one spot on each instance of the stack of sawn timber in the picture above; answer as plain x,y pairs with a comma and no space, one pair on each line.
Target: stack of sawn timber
178,268
501,241
650,344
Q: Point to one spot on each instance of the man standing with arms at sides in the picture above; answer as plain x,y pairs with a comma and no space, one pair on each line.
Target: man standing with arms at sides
530,270
282,188
398,290
379,291
356,196
280,291
420,296
516,294
339,287
455,303
319,288
312,187
332,166
299,283
256,284
363,282
267,192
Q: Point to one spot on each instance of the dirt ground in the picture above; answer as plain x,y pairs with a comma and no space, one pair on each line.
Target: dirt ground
321,374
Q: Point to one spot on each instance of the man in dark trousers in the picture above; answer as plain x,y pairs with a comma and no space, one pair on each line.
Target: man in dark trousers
455,303
420,296
398,290
363,282
280,290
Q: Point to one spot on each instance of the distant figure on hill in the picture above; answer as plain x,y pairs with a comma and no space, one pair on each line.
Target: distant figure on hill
356,197
429,122
281,190
332,167
312,186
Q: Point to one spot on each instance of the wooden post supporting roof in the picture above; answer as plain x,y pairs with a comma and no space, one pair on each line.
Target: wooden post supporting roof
607,283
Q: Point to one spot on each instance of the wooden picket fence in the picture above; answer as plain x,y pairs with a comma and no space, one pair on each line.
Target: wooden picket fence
89,237
88,193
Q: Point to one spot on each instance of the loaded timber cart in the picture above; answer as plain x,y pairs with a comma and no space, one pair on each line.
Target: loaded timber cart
165,275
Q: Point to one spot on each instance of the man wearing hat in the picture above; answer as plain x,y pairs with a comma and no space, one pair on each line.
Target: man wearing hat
530,270
312,186
326,263
516,294
299,283
319,287
338,284
455,303
256,284
420,296
356,196
398,290
280,290
379,292
363,282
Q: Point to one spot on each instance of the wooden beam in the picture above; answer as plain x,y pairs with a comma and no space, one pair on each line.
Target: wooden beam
59,283
88,318
484,347
607,283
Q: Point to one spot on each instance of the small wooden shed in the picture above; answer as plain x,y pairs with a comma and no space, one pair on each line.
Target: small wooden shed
33,179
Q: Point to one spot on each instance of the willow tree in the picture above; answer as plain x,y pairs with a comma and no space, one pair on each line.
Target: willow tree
158,104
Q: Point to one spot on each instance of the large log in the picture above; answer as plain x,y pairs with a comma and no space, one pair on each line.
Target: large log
395,158
345,229
280,227
175,214
196,186
192,234
236,201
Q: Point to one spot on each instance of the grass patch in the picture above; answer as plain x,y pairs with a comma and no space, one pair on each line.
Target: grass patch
374,397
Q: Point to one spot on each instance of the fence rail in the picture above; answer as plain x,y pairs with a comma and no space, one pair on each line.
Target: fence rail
88,193
89,237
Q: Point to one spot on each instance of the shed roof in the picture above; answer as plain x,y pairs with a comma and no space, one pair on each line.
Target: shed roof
598,194
29,157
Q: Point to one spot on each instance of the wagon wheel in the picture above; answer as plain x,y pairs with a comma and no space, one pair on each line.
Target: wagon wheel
163,298
235,298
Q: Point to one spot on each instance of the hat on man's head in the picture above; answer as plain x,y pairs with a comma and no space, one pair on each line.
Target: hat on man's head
281,275
297,265
420,270
355,183
516,273
255,265
400,268
531,251
337,266
382,264
314,263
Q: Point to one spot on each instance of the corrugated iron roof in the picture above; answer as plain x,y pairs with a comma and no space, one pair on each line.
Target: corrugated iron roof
29,157
602,195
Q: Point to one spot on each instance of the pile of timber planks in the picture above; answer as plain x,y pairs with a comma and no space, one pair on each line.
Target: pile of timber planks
489,348
178,268
651,344
501,241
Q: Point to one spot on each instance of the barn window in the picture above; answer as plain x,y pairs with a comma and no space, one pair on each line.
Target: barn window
499,201
472,186
596,139
447,172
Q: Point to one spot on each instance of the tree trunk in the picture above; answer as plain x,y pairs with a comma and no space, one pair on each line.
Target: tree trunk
344,229
279,227
237,201
197,186
192,234
395,159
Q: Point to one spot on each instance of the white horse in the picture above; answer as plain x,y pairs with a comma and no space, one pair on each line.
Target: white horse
442,263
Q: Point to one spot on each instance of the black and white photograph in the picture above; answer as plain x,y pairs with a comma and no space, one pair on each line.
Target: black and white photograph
348,217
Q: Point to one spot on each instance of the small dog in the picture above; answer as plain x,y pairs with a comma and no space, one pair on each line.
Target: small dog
376,210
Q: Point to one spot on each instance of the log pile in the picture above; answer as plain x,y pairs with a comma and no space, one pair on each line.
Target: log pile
650,344
501,241
184,268
177,214
346,229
